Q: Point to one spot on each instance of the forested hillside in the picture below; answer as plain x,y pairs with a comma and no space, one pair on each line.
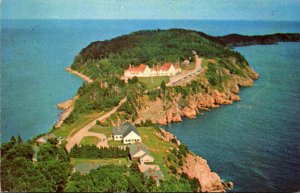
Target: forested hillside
105,62
111,57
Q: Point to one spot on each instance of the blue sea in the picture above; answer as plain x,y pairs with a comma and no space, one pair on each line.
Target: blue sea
254,142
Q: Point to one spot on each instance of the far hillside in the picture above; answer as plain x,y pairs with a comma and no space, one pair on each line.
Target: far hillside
112,57
222,72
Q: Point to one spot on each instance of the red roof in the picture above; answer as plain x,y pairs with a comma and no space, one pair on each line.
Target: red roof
140,68
165,67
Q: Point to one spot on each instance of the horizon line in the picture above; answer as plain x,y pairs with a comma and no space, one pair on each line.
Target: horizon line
298,20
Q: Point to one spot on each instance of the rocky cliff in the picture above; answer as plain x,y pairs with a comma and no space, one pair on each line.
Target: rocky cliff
165,111
197,167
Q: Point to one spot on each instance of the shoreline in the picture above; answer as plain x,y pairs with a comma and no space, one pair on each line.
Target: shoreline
82,76
68,107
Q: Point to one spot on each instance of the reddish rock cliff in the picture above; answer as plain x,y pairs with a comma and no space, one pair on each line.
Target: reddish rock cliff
197,167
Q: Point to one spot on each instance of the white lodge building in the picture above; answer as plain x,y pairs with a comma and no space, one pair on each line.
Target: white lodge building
144,71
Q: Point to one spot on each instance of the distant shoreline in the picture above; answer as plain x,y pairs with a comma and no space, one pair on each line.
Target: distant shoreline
84,77
68,105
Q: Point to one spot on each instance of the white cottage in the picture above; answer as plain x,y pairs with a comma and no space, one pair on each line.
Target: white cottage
126,133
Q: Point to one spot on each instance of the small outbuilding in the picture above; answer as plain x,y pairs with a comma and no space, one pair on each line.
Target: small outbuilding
140,152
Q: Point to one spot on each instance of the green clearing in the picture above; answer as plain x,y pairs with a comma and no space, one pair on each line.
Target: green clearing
157,147
85,165
67,129
115,143
89,140
121,161
153,82
188,67
103,130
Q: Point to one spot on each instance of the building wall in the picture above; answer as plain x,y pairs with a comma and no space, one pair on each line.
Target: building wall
147,158
150,73
132,137
117,137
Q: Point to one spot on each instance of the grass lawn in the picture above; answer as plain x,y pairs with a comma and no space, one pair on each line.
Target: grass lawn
115,143
188,67
157,147
89,140
122,161
85,165
83,120
153,82
104,130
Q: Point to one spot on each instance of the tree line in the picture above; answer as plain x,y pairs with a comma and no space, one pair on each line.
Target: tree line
93,152
19,173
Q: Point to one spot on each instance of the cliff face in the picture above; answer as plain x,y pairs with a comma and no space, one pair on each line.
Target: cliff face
164,112
197,167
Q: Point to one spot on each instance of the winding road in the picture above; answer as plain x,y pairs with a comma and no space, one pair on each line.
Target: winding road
77,137
83,132
186,77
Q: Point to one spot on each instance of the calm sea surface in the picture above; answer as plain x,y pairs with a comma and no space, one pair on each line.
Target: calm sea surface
254,142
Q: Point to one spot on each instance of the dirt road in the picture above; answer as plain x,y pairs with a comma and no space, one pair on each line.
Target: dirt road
76,138
186,77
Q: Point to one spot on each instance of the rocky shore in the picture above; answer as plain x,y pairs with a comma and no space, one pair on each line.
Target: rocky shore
197,167
84,77
164,112
68,107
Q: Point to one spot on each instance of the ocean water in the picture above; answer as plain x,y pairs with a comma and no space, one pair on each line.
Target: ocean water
254,142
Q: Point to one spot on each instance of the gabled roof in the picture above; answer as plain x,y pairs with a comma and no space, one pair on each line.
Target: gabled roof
144,167
140,68
135,148
147,154
165,67
124,129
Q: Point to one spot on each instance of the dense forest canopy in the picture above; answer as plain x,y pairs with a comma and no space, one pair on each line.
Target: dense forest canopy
51,171
111,57
234,40
159,46
105,62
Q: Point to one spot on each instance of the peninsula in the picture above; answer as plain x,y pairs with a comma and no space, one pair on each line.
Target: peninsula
110,140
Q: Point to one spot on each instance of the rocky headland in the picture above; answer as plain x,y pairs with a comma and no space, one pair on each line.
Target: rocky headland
67,108
235,40
224,72
196,167
167,111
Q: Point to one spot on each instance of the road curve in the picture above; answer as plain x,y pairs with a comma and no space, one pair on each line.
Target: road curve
179,79
75,139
